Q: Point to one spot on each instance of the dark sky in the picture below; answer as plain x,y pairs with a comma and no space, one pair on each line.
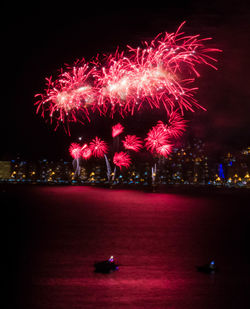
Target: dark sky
38,40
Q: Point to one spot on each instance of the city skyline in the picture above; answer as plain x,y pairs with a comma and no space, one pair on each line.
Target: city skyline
188,164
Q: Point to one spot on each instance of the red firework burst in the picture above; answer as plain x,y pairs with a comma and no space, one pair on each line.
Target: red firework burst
117,130
98,147
122,159
86,152
132,142
113,82
161,73
75,150
176,125
164,150
156,137
68,97
165,67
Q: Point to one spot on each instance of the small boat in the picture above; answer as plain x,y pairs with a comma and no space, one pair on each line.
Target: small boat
106,267
210,268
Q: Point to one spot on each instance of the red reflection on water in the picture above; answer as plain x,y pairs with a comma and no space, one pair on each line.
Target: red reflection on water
157,239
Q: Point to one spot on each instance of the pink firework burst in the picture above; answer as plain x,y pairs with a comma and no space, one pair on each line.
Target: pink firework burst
164,150
86,152
156,138
132,142
165,67
122,159
98,147
117,130
75,150
176,125
160,73
68,98
113,82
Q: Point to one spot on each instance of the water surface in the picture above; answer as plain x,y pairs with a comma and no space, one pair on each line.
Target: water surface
55,234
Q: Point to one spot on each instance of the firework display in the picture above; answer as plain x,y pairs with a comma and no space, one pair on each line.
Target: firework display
75,152
67,99
122,159
117,130
98,147
86,152
176,125
159,141
160,73
132,142
156,138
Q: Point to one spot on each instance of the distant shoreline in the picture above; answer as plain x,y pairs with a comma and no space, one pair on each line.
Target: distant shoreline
166,188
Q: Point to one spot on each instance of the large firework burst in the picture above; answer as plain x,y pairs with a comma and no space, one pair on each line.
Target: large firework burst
160,73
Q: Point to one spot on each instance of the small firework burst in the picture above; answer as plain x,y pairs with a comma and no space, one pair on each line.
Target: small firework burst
156,138
164,150
122,159
117,130
132,142
176,125
86,152
98,147
75,150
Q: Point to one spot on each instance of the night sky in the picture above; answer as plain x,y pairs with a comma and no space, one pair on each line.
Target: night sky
38,40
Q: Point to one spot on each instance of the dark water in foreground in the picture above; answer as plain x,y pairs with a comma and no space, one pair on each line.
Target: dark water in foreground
56,233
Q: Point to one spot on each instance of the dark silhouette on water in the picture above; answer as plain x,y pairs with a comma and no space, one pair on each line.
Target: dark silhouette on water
106,266
210,268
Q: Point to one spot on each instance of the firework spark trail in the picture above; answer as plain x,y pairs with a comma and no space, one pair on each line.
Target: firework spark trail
108,167
114,174
153,173
75,152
